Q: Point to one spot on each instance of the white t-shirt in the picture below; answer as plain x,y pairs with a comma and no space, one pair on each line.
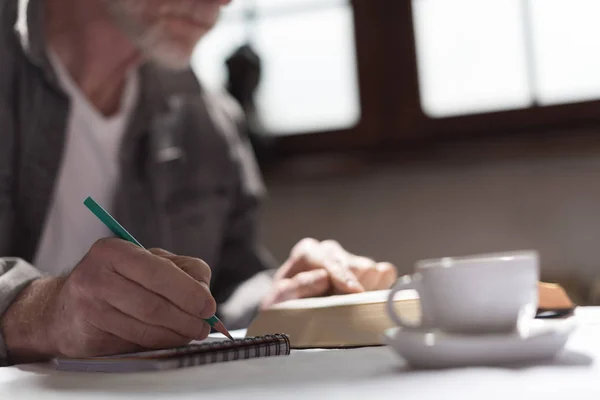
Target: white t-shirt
90,167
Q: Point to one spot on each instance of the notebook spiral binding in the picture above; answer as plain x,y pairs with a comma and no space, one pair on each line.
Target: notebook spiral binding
254,347
186,356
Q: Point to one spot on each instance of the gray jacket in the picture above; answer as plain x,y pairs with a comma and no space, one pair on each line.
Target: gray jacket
189,182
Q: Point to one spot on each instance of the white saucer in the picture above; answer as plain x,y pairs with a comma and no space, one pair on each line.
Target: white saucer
542,339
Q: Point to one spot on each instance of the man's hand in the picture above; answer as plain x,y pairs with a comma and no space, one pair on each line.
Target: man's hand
322,268
119,298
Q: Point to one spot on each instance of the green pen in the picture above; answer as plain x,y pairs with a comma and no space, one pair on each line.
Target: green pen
122,233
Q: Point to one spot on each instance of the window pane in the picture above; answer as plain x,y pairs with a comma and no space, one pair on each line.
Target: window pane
309,78
311,71
275,5
566,35
471,56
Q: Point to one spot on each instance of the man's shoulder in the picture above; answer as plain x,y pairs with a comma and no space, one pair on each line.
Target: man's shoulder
8,17
7,34
8,54
227,116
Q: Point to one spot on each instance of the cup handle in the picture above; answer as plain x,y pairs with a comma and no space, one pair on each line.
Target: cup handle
407,282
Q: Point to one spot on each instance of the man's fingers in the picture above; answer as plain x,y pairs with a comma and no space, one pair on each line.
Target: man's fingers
194,267
305,284
388,275
372,275
343,279
158,275
349,273
305,256
359,262
365,271
197,269
157,251
310,284
304,246
331,257
369,278
336,261
150,308
113,321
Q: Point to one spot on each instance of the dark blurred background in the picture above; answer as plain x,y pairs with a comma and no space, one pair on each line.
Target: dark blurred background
424,128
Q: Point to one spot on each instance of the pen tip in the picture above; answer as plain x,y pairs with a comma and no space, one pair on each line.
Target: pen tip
221,328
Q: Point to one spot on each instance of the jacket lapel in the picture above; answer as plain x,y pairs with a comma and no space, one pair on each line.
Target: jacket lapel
41,127
151,143
42,141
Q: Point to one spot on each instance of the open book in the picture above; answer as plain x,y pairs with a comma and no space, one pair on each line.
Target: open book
359,319
336,321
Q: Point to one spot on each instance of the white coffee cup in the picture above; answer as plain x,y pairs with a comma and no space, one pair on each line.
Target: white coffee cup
476,294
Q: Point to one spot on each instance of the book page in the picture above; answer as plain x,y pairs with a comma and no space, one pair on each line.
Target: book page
378,296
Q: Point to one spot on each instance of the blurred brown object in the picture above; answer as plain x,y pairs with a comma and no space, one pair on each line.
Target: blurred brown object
594,293
552,296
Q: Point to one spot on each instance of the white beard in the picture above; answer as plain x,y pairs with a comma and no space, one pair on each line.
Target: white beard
155,45
152,38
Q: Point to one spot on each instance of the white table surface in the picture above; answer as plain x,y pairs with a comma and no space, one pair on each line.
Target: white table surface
369,373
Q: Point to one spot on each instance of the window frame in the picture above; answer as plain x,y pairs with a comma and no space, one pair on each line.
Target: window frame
391,113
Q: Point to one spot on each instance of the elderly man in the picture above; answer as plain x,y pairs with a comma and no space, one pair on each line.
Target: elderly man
97,99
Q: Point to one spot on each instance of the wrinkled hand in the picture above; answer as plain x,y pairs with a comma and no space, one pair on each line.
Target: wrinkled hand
119,299
323,268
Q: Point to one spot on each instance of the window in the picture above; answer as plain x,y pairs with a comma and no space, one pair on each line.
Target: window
477,56
566,37
351,75
309,74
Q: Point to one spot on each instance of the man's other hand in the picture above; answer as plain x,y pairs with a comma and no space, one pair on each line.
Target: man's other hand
323,268
119,298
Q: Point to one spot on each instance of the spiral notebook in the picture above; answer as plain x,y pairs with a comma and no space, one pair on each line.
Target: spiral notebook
188,356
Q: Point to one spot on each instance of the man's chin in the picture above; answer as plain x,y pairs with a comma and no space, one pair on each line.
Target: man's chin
174,49
186,27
